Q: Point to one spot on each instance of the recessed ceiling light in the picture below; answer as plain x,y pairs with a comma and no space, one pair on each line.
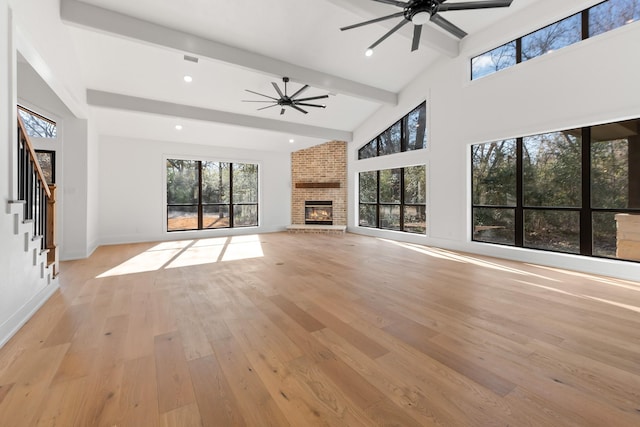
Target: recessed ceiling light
291,141
178,127
188,78
368,52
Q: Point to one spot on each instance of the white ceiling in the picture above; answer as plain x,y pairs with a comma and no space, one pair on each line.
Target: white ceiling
132,62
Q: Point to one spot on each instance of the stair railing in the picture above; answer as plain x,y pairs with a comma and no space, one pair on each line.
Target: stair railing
38,197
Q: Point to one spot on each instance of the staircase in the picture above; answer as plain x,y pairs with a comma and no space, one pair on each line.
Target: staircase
35,212
38,257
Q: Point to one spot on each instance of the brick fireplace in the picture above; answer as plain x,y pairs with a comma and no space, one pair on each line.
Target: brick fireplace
319,174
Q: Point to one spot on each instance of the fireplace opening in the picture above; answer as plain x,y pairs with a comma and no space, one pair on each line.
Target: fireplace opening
318,212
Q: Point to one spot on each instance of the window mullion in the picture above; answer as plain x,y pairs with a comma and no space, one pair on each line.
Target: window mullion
519,214
230,205
586,231
200,209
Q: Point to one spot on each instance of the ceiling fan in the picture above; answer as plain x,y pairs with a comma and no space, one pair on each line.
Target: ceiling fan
286,100
419,12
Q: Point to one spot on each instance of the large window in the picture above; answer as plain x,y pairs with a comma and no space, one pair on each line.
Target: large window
208,195
574,191
598,19
394,199
407,134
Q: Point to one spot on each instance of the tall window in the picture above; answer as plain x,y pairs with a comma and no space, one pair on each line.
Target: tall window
394,199
407,134
208,195
574,191
598,19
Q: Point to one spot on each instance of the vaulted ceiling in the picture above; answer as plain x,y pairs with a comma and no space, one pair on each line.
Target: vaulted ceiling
132,57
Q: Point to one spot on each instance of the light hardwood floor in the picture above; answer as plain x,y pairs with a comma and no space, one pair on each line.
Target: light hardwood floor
335,330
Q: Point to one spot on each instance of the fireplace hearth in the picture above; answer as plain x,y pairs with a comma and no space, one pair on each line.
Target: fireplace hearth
319,212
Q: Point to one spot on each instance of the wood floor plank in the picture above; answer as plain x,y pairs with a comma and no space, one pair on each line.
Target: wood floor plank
418,336
76,364
4,389
319,330
258,406
31,379
185,416
139,394
365,344
216,403
172,373
61,408
304,319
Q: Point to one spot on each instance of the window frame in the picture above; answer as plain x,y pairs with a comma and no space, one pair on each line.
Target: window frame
401,204
374,144
584,25
586,210
200,206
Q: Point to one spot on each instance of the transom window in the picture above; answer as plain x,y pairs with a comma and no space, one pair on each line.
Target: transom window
407,134
36,125
209,195
598,19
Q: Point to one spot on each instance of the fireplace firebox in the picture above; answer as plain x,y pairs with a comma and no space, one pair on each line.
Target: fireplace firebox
318,212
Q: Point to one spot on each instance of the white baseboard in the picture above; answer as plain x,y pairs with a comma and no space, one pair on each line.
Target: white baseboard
9,328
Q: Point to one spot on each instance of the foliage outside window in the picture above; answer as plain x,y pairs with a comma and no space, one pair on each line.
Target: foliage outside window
47,161
561,191
394,199
598,19
37,126
209,195
407,134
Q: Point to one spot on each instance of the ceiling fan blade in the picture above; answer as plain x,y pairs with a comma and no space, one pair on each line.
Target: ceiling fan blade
299,109
469,5
266,96
302,89
394,15
310,105
268,106
277,89
448,26
246,100
393,30
401,4
282,111
417,31
311,98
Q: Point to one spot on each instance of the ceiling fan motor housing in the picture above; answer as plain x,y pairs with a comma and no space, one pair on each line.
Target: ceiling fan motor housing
419,11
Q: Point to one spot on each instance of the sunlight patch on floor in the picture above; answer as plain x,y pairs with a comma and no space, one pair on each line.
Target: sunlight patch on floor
203,251
589,297
626,284
187,253
243,247
150,260
456,257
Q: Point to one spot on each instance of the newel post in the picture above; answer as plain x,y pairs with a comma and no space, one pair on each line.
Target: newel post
52,255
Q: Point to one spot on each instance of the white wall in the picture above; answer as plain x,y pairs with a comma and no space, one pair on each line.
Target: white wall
591,82
22,290
132,188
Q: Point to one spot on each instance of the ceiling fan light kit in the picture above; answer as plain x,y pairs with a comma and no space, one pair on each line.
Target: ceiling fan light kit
286,100
419,12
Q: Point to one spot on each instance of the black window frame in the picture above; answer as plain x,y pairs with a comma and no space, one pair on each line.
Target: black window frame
200,205
585,25
401,204
374,146
586,210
